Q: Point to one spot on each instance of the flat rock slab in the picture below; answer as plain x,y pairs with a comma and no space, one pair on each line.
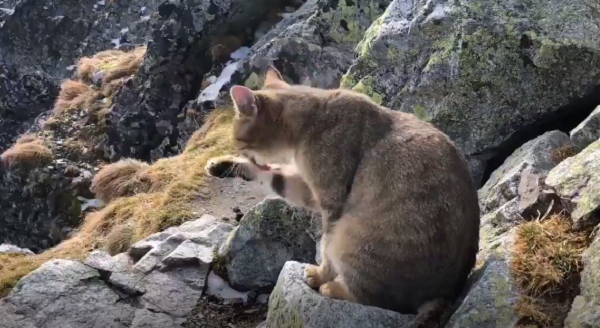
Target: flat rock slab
294,304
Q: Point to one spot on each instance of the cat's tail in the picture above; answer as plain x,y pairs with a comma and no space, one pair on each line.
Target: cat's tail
432,314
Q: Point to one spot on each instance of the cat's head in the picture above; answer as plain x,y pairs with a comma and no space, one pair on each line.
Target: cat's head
261,134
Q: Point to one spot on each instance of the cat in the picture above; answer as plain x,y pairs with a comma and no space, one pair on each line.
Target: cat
400,214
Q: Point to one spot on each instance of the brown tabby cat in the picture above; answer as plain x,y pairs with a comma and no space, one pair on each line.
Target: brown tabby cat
399,208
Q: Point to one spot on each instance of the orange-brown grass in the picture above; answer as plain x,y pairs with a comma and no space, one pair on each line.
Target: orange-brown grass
114,64
559,154
545,263
75,95
27,152
180,186
123,178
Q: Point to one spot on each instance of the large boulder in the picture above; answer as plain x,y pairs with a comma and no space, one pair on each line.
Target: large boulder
156,284
14,250
269,235
315,45
577,181
491,300
584,311
481,71
294,304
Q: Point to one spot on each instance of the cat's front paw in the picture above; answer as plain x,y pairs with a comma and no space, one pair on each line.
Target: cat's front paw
312,274
222,167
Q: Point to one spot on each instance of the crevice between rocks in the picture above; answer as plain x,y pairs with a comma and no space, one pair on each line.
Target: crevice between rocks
564,119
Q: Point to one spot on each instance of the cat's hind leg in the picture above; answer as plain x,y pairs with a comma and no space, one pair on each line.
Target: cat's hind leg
337,289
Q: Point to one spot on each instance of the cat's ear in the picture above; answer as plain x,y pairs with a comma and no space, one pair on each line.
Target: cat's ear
274,79
244,100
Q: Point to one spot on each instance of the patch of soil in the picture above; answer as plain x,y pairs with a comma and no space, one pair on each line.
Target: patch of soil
212,313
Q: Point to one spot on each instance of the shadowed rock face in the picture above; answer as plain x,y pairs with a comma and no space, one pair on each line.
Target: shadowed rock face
481,71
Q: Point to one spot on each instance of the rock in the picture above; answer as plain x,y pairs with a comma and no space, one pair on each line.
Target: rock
584,311
60,292
315,45
161,295
577,181
143,122
530,163
477,66
14,250
268,235
587,131
491,301
293,303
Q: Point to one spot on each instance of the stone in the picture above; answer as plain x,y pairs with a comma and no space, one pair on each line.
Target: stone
14,250
60,292
491,301
480,72
269,234
147,319
577,181
102,261
587,131
534,157
294,304
584,311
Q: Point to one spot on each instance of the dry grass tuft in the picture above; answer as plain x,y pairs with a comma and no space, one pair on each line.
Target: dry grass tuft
179,185
114,64
124,178
546,263
75,95
27,152
561,153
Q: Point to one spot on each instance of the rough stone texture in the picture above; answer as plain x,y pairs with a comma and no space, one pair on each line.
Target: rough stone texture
491,300
268,235
584,311
40,205
587,131
315,45
110,292
480,70
535,157
12,249
143,122
577,181
60,292
294,304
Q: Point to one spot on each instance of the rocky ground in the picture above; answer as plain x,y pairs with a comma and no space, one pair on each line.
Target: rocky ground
109,111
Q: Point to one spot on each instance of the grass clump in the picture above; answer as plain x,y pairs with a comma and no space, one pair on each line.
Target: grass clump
114,64
123,178
27,152
73,96
147,199
559,154
546,263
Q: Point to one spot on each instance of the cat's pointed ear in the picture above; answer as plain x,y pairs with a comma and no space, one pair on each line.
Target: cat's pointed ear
274,79
244,100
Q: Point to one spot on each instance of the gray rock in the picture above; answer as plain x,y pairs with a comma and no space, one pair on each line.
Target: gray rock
587,131
477,70
102,261
268,235
577,181
491,301
61,293
293,303
535,157
174,292
147,319
12,249
584,311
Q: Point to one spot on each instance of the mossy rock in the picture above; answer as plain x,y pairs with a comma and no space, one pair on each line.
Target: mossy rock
480,70
577,180
268,235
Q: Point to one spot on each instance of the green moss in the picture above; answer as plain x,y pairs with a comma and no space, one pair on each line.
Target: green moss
351,30
281,314
365,86
253,82
421,113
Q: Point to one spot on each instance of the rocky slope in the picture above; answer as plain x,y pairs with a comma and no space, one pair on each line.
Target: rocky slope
132,240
